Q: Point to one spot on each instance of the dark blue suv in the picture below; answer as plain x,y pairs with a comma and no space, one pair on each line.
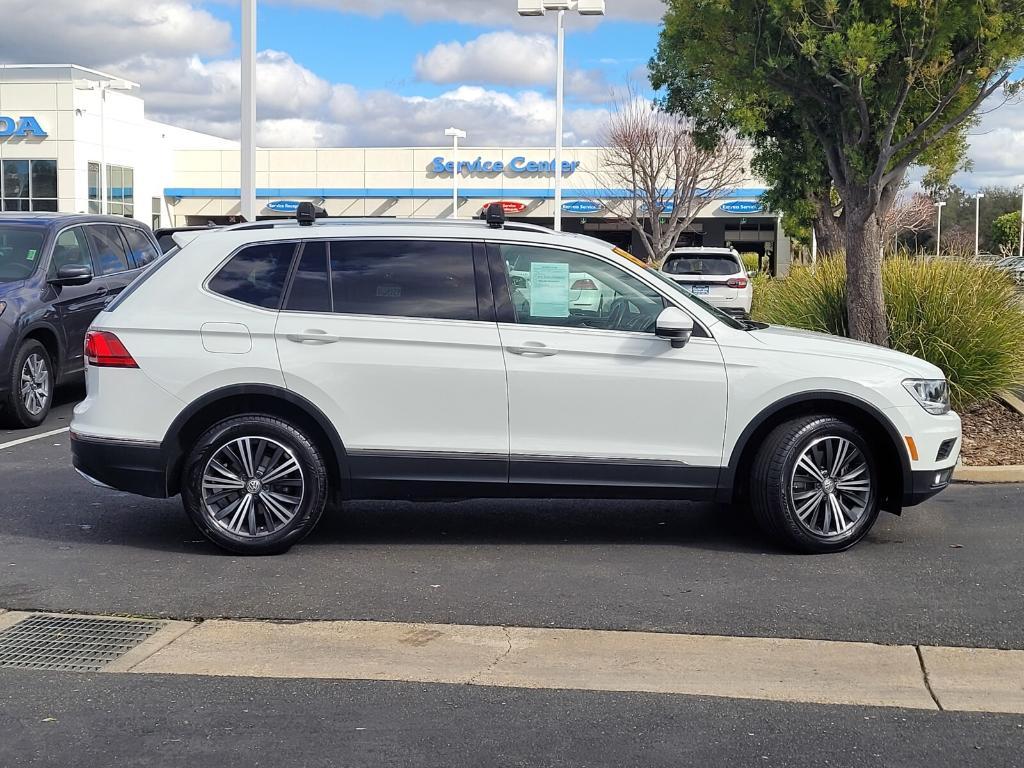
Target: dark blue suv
57,271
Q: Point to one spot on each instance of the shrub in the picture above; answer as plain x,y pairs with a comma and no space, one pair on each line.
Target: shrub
751,261
965,317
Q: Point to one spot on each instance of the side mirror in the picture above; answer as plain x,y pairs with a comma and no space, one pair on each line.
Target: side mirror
73,274
675,325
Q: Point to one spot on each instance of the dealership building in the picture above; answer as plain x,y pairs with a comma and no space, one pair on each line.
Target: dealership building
72,139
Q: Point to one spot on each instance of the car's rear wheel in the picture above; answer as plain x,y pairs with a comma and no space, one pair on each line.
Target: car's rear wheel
255,485
815,484
30,389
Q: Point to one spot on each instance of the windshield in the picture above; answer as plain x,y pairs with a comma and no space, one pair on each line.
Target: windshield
20,252
702,264
678,289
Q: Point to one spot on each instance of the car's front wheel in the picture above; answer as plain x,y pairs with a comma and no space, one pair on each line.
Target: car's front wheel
255,485
815,484
31,385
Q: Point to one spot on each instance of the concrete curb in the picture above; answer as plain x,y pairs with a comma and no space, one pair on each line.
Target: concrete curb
1012,473
764,668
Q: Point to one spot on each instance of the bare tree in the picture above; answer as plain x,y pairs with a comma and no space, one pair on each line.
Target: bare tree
908,214
657,177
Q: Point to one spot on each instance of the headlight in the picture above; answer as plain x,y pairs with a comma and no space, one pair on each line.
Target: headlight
932,394
3,306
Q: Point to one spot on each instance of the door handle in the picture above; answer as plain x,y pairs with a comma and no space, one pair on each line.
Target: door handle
533,348
313,336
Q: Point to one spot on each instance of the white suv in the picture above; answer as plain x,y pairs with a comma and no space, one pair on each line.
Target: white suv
716,275
266,371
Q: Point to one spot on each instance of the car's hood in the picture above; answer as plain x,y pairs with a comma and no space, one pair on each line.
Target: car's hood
9,289
825,345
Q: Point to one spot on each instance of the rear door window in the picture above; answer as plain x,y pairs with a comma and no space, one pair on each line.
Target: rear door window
404,278
108,249
702,264
141,250
256,275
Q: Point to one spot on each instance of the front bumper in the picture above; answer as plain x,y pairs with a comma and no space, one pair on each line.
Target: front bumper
925,483
133,467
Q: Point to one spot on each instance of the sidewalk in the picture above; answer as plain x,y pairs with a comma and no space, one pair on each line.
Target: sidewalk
813,671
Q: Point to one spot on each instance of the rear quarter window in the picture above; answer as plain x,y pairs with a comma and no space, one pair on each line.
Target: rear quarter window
256,275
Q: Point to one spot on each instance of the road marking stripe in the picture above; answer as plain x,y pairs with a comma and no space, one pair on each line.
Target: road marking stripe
40,436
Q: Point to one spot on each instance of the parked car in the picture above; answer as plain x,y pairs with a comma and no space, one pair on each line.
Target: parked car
276,370
716,275
56,272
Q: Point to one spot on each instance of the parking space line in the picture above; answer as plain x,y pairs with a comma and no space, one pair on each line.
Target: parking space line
29,439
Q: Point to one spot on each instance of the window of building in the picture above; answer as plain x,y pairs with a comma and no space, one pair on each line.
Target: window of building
564,288
28,185
120,190
108,249
94,187
256,275
404,278
156,213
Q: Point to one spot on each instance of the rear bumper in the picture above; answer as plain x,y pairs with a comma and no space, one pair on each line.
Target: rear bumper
123,465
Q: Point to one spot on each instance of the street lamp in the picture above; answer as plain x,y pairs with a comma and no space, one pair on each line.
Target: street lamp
248,117
455,135
103,86
938,227
977,222
538,8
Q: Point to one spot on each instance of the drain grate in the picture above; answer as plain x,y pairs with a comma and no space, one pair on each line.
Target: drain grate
69,644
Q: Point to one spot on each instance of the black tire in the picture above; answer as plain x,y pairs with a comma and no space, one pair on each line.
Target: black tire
772,486
201,503
16,413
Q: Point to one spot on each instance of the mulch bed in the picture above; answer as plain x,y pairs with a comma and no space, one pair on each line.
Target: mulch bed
993,435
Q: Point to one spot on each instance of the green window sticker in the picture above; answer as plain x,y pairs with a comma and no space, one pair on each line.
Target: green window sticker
31,255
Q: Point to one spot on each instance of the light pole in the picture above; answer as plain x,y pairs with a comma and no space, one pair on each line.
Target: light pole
977,222
455,135
1020,246
538,8
248,116
938,227
103,86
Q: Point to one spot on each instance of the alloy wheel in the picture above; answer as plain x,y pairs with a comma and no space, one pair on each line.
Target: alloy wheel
830,488
35,384
252,487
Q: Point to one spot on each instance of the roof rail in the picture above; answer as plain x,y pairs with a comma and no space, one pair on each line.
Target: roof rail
369,220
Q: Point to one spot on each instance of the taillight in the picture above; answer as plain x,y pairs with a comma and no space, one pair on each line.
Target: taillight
737,282
104,350
583,285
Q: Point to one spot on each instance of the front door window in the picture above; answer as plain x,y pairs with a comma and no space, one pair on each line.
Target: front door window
567,289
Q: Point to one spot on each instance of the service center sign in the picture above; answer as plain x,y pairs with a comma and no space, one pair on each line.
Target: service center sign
509,206
23,126
742,206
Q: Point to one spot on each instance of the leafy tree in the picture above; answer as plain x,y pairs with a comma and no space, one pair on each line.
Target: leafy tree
1006,232
879,85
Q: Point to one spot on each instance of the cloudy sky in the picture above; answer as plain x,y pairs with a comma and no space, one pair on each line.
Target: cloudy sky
382,72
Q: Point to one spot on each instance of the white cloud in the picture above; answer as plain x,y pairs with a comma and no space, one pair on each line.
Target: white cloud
508,59
72,31
996,147
487,13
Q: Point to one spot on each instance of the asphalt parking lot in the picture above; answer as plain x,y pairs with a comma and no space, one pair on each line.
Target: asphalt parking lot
947,573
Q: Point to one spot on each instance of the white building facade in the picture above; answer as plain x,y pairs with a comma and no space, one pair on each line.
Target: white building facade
77,140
